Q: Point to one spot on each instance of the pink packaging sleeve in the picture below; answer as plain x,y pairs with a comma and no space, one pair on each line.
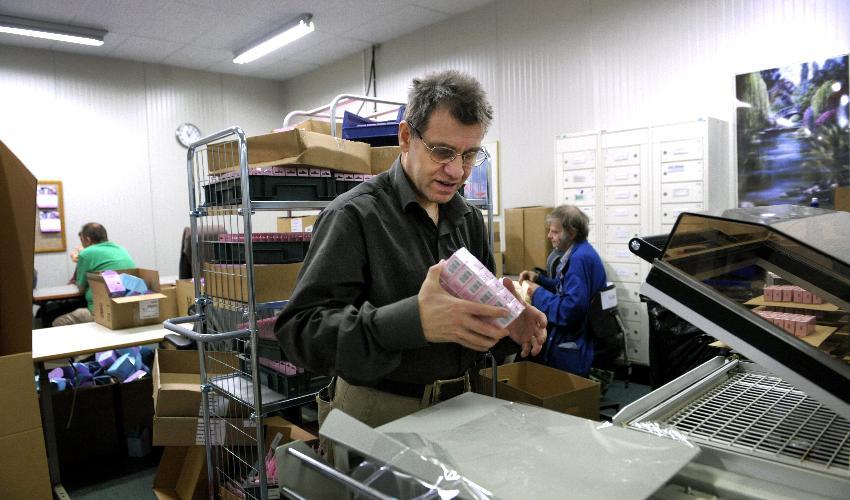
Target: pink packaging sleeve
467,278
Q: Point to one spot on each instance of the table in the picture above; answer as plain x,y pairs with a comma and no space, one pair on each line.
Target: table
40,295
61,342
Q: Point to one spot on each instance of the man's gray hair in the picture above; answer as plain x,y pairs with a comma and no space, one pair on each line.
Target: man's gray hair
458,92
570,216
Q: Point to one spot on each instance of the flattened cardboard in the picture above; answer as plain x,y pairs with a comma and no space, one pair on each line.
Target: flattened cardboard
293,147
17,390
17,199
126,312
187,431
319,126
547,387
23,466
383,158
182,474
272,282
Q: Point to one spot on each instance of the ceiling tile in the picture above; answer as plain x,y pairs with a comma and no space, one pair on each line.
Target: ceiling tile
117,15
25,41
452,6
191,56
236,32
44,10
342,16
331,49
180,22
404,20
145,49
282,70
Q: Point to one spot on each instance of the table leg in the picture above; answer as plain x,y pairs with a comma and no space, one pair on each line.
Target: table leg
50,433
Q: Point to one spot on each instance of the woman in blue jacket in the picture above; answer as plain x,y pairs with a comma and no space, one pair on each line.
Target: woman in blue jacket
565,298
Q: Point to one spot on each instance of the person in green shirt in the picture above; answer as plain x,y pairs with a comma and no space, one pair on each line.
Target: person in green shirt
98,254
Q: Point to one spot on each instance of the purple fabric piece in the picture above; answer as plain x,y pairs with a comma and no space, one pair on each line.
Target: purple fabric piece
135,376
106,358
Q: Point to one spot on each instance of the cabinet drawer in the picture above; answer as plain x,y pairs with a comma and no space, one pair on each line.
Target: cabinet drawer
688,149
621,271
681,192
670,211
625,155
580,196
619,252
625,214
617,234
578,159
585,177
637,342
682,171
632,311
622,195
628,292
622,176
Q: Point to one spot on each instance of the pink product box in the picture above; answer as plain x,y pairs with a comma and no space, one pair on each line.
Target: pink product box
315,172
806,297
358,177
290,171
798,295
787,294
770,293
283,367
339,176
324,172
467,278
817,299
303,172
113,283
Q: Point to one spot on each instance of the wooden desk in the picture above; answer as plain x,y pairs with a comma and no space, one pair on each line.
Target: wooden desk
62,342
40,295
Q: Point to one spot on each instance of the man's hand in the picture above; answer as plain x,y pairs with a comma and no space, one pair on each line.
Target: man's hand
527,276
529,329
446,318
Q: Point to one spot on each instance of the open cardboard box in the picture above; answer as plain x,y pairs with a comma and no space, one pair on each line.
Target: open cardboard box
541,385
383,158
177,400
290,148
126,312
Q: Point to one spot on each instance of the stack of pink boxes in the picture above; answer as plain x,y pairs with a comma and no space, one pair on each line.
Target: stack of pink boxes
799,325
790,293
465,277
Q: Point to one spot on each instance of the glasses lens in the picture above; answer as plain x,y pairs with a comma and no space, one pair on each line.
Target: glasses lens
477,158
442,155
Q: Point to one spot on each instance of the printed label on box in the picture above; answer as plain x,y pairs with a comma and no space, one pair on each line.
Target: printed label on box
149,309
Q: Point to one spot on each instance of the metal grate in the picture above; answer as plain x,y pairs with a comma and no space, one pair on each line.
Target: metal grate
765,415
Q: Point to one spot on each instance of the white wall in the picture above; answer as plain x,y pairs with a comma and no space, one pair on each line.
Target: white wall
555,66
105,128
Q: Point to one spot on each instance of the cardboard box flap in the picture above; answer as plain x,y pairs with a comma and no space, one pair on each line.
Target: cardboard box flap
17,391
138,298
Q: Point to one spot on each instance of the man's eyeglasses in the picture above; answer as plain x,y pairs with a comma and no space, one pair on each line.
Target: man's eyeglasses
443,155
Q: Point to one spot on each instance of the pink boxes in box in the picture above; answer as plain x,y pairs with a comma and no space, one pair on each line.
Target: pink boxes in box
799,325
465,277
790,293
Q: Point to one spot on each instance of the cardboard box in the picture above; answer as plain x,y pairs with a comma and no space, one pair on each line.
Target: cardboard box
182,474
540,385
319,126
842,198
23,474
526,246
290,431
168,305
272,282
177,380
125,312
293,147
185,298
177,400
383,158
17,211
499,258
296,224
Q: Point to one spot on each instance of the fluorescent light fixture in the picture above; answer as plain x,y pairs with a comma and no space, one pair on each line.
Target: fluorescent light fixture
51,31
289,32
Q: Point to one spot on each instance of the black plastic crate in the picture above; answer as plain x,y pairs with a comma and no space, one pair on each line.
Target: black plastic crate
287,385
265,252
269,349
271,188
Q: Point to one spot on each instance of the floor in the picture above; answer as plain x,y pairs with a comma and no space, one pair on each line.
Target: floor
135,480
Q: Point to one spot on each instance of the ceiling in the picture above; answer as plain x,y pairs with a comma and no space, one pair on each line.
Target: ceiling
202,34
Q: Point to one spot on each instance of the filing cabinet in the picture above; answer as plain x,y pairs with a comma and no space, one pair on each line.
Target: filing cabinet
636,182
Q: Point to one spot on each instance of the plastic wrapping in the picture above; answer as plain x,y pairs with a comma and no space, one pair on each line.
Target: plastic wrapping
473,446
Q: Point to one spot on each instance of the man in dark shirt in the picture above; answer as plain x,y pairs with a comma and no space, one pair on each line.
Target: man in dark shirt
368,307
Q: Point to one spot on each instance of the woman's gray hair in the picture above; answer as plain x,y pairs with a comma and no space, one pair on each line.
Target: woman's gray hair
458,92
570,216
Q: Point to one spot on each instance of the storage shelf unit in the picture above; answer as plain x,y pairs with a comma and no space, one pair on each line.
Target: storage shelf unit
635,182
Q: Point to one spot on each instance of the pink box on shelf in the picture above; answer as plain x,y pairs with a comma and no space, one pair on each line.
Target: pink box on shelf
807,297
817,299
787,293
467,278
798,295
